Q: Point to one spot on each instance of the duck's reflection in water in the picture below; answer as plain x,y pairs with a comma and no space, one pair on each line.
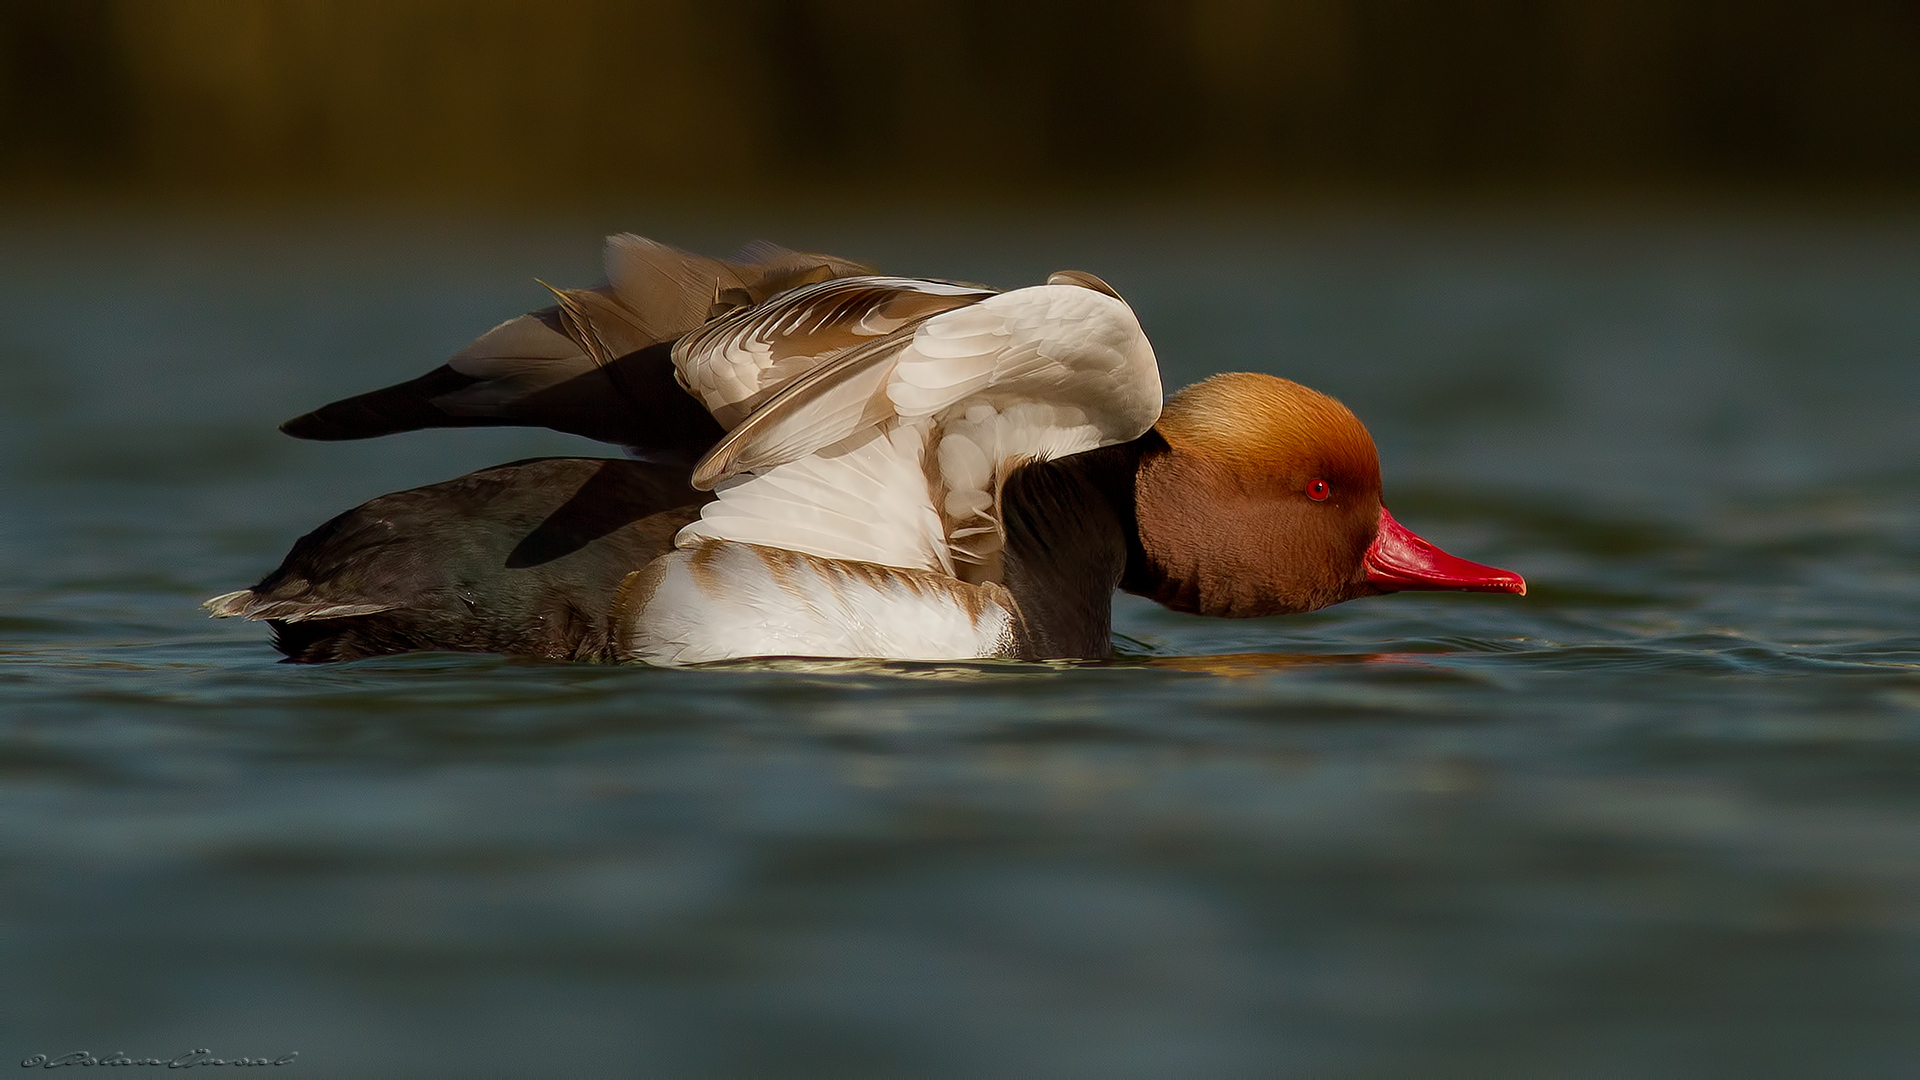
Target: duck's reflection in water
1242,665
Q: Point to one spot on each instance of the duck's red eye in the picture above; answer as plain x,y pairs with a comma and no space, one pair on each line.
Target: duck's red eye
1317,490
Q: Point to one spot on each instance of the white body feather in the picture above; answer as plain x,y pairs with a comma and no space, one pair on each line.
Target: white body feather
723,601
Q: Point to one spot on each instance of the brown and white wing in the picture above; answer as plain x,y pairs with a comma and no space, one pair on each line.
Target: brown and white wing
572,366
665,292
864,499
1056,344
654,294
805,343
1032,374
865,351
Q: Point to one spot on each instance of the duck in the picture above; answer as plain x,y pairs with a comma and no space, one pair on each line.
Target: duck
845,464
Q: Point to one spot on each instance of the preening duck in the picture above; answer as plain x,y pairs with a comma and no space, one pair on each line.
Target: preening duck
898,467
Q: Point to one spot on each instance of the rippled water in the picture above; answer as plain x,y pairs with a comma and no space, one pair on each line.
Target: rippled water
1661,817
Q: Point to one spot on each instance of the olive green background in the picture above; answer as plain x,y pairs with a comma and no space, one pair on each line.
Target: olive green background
586,100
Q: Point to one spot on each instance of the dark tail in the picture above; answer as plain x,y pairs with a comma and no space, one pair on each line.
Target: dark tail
635,402
596,364
408,406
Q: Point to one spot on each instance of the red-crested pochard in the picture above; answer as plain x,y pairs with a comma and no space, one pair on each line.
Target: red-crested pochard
901,468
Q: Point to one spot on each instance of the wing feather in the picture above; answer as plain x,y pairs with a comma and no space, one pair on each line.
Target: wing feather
737,363
824,406
562,365
866,500
670,291
1034,374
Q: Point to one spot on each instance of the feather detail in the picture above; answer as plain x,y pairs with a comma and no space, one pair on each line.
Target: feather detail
600,324
724,601
227,605
1029,375
248,605
566,366
866,499
737,363
827,404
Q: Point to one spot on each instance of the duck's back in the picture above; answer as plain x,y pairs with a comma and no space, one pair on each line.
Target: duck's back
521,559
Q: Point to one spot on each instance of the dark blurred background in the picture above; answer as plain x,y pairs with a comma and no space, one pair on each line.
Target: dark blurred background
582,100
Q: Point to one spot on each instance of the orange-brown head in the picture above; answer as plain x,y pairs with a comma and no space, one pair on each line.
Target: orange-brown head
1266,500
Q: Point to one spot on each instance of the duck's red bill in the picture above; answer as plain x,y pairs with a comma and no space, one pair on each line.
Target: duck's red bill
1398,560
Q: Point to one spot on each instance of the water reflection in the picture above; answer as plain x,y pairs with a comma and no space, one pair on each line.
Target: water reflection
1242,665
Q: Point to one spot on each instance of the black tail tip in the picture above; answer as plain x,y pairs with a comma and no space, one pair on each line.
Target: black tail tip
311,426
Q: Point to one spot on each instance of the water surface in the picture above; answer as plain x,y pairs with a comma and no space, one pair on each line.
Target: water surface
1661,817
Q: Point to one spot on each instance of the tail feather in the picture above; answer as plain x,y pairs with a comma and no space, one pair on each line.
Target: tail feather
227,605
248,604
408,406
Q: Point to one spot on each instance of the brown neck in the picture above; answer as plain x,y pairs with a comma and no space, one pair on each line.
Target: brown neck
1167,543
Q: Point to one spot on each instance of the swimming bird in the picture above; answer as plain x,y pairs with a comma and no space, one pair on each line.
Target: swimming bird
908,468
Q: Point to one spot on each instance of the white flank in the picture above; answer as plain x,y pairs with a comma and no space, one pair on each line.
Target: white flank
724,601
